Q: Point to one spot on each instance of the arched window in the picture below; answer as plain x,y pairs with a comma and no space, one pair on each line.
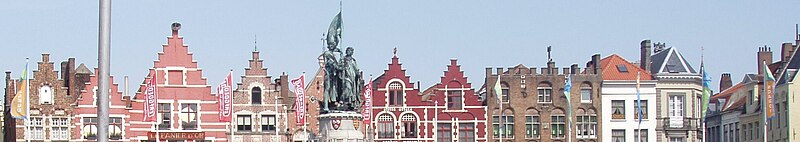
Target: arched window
385,126
395,94
557,123
454,95
505,90
255,95
506,119
532,123
587,124
586,93
409,126
545,92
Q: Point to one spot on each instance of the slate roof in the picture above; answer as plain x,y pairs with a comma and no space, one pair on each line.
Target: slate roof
82,69
794,63
670,61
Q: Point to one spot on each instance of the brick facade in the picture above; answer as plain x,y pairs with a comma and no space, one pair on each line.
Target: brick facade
261,102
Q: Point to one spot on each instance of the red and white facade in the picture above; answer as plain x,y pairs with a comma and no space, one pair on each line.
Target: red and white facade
401,112
85,124
186,109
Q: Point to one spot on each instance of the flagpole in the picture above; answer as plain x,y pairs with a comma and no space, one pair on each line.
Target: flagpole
639,106
28,102
764,103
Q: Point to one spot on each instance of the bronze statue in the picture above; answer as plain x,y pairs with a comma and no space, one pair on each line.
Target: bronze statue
343,80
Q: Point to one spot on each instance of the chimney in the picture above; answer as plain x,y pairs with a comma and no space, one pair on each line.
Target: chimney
284,83
725,81
644,56
595,63
764,55
9,124
786,52
574,69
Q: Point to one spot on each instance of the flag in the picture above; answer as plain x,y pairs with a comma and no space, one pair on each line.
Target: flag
19,106
367,109
151,99
706,93
300,102
567,89
639,97
225,98
498,91
335,29
769,87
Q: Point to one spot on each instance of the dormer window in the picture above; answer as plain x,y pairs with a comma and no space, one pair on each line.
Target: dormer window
395,94
255,95
622,68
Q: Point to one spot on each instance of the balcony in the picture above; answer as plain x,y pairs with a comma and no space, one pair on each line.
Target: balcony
679,123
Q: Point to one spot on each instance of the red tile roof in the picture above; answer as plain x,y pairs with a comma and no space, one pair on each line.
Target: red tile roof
611,71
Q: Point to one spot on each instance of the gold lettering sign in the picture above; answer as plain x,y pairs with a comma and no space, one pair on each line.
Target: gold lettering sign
177,135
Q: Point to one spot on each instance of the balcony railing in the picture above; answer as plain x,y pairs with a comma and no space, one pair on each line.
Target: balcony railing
679,123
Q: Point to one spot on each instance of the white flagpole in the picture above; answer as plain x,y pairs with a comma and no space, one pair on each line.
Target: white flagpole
276,117
28,102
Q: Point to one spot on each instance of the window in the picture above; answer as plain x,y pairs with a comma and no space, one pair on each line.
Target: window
586,93
676,139
59,128
505,90
557,126
587,125
454,99
636,135
644,110
164,111
618,135
545,91
46,95
622,68
89,129
395,94
507,128
189,116
676,105
36,128
532,126
618,109
466,132
444,132
777,115
255,95
409,126
115,132
267,123
244,123
385,126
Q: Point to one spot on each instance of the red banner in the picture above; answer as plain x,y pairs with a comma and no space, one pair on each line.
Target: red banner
300,102
224,92
151,98
366,111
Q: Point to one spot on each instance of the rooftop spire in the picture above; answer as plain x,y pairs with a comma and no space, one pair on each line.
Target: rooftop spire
255,43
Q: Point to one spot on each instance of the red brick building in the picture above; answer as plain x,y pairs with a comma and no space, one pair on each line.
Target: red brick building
460,113
85,117
187,111
51,101
400,112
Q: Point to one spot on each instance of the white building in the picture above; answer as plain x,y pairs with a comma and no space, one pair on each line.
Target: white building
620,101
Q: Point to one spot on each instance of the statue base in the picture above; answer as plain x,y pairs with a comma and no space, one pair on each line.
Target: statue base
341,127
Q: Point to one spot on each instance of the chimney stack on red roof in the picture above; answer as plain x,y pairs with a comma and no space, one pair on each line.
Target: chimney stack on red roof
725,82
646,50
764,55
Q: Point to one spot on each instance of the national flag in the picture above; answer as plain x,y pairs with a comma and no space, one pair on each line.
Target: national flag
225,98
639,97
19,106
367,109
300,100
151,98
769,87
706,93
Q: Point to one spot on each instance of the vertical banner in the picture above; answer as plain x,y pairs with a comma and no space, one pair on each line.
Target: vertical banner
150,98
224,92
769,87
19,106
366,110
300,100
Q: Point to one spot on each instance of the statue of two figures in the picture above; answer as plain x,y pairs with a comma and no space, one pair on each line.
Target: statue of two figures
343,80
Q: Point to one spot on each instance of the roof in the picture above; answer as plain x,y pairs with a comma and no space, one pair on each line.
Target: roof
670,61
794,64
82,69
615,67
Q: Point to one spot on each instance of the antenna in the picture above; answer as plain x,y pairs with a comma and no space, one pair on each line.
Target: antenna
255,43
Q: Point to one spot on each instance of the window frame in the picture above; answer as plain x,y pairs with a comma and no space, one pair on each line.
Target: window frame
256,95
188,112
265,123
455,99
444,132
544,93
617,109
465,130
244,123
164,116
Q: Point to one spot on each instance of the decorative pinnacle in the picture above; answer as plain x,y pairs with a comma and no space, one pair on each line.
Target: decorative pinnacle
394,52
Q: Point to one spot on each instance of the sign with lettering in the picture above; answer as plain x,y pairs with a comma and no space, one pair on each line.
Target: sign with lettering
177,135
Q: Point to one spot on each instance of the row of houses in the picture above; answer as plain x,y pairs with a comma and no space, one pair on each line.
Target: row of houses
736,113
531,104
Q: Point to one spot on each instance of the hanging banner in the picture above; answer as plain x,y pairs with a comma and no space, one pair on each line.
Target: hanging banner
367,109
224,92
300,101
150,99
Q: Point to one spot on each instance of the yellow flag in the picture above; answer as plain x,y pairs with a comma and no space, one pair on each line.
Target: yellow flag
19,106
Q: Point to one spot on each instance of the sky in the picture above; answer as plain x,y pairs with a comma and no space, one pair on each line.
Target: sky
480,34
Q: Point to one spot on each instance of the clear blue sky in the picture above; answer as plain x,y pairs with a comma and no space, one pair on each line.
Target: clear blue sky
427,33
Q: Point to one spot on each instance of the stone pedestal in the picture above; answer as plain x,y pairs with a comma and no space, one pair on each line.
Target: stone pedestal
341,127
